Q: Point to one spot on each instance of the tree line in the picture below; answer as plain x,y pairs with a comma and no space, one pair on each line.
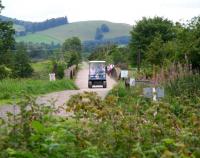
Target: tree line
161,42
69,55
36,26
15,57
90,46
12,64
156,42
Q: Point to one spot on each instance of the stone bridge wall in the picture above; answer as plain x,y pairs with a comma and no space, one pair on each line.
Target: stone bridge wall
70,73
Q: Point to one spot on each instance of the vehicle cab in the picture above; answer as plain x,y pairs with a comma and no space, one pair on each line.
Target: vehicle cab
97,74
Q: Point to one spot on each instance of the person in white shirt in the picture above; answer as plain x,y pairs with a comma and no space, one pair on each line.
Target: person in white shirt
92,71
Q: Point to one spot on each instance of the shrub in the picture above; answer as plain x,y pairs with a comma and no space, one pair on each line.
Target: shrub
4,72
60,71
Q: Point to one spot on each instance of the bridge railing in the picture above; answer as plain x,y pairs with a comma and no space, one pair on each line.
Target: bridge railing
71,72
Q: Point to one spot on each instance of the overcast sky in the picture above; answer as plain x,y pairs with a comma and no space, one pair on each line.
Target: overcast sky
123,11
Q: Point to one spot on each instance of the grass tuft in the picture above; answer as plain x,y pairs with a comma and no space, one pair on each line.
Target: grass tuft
10,88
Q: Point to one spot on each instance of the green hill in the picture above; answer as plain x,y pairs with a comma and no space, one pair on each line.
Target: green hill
84,30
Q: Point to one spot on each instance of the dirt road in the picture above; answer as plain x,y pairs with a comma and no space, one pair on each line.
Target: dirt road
82,83
62,97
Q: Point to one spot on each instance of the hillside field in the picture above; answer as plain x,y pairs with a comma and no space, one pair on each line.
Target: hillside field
18,28
85,30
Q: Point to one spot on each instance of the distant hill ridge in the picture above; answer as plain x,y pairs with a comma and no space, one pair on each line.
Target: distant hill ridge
27,26
57,30
85,30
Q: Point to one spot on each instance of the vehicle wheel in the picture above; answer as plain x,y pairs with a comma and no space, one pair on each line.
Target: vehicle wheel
89,84
104,84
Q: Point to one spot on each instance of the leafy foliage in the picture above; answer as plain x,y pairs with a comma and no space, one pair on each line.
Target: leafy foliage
111,54
90,46
40,50
21,67
42,69
60,70
4,72
6,40
74,58
72,51
146,33
162,42
123,125
72,44
145,30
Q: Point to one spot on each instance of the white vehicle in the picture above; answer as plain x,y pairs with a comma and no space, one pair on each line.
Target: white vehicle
97,74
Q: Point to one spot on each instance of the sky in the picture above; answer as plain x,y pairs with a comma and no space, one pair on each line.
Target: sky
120,11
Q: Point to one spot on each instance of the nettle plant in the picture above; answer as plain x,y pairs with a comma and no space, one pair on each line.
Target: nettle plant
151,130
113,127
21,130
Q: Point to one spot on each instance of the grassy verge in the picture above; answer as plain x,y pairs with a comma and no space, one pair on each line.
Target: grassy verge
13,88
42,69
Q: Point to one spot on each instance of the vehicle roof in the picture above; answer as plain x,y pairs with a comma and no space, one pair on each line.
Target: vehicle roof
95,61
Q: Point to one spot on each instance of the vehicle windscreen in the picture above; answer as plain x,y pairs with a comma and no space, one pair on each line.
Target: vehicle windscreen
97,69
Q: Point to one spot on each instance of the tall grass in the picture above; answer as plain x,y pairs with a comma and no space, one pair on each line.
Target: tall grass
42,69
10,88
185,86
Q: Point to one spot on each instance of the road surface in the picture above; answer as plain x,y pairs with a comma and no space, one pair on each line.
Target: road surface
62,97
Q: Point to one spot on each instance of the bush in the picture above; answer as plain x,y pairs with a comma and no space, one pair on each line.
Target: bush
60,71
102,128
4,72
22,67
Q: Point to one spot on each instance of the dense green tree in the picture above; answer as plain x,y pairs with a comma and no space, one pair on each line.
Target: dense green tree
111,54
72,44
155,52
103,53
89,46
7,40
60,71
193,42
74,59
72,51
22,67
187,45
120,55
144,31
4,72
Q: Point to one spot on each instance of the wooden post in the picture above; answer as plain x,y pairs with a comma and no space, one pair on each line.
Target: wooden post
154,94
139,60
